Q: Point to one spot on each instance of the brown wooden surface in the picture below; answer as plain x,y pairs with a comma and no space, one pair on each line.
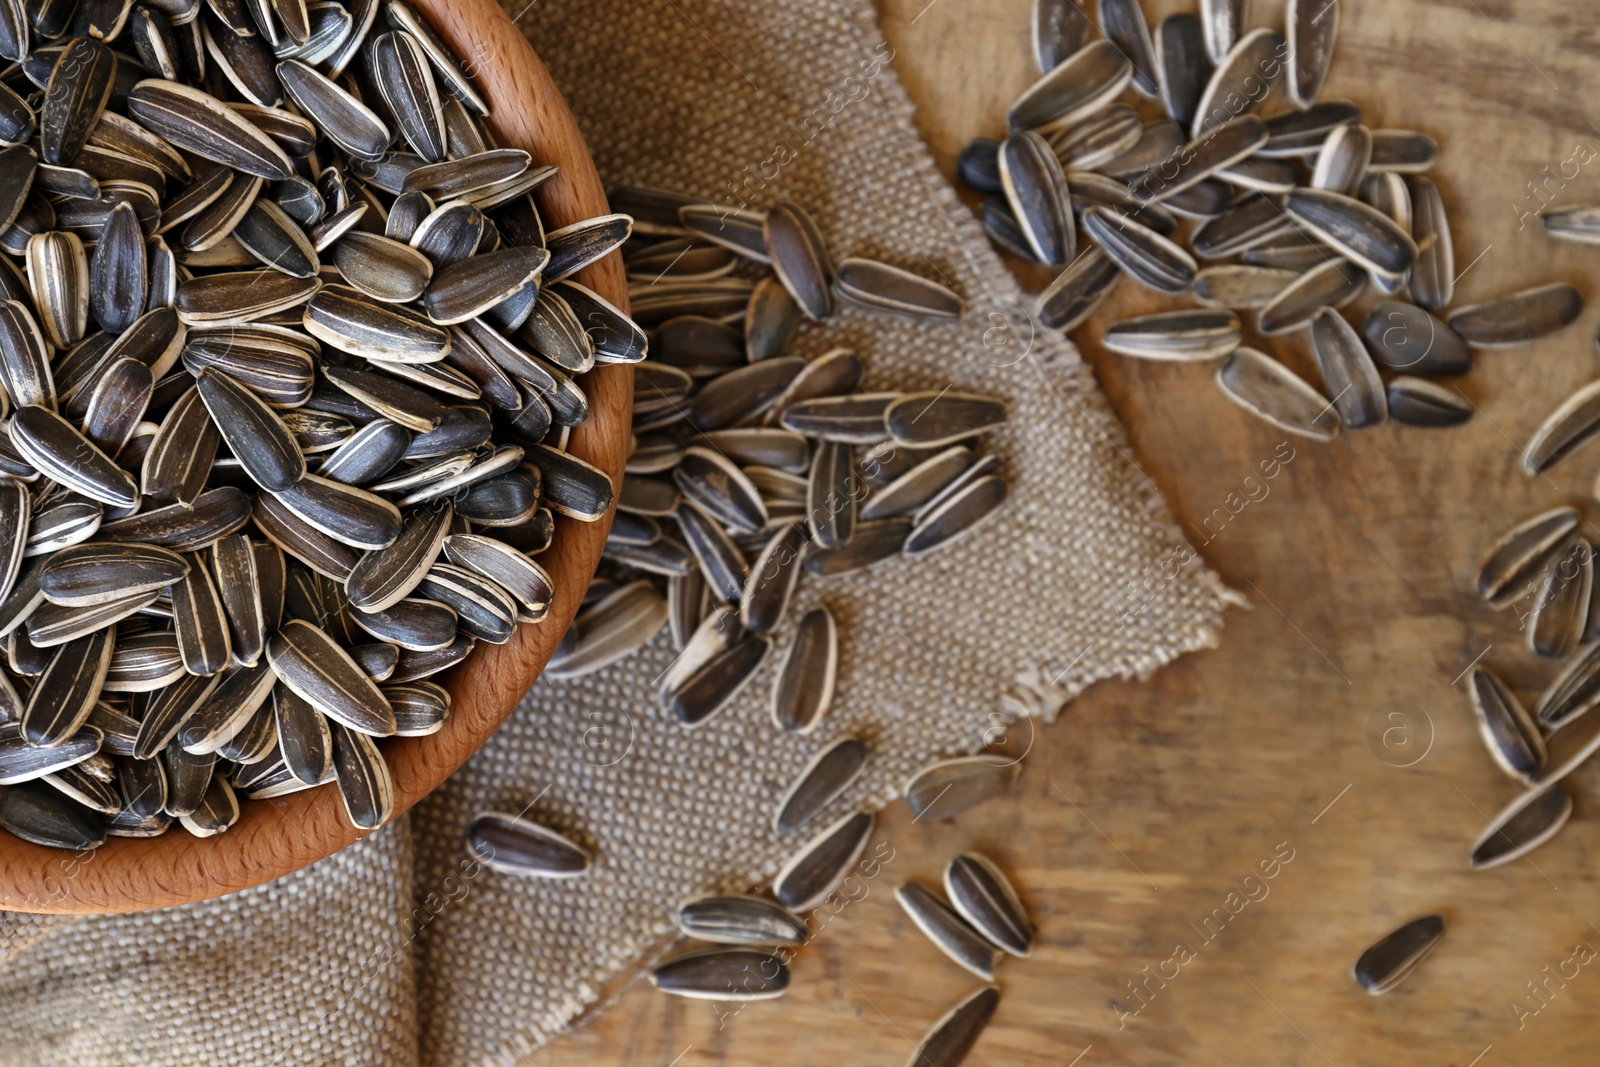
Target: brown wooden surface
274,838
1148,804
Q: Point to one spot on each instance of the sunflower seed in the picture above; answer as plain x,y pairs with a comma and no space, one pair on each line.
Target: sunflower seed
1060,28
1525,824
414,624
1403,151
1176,335
365,784
880,285
264,446
1388,963
1222,146
1416,402
1347,371
1522,316
1244,77
1266,388
182,453
983,896
948,931
1510,567
1407,338
772,581
948,1041
1037,190
1343,160
49,443
910,491
1560,608
1077,86
203,636
23,761
319,671
1507,729
223,714
43,816
962,508
736,974
58,278
64,695
515,845
721,562
1312,26
1078,290
1569,427
1334,284
711,688
824,779
802,688
1141,253
420,708
1183,66
1123,23
819,866
947,788
86,575
740,920
1240,286
611,629
978,165
1355,230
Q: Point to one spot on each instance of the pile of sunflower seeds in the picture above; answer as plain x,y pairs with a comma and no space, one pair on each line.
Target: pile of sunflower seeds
1296,213
289,360
754,938
751,466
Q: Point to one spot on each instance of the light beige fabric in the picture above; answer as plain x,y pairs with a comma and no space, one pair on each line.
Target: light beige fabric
392,952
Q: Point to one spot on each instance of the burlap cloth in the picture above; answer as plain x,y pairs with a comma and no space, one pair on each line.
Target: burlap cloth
389,953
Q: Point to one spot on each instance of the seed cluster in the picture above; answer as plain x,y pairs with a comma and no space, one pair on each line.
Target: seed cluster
289,362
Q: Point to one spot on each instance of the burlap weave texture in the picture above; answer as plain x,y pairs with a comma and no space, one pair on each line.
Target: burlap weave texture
392,953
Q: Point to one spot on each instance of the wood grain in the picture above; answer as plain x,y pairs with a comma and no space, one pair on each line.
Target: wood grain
274,838
1148,804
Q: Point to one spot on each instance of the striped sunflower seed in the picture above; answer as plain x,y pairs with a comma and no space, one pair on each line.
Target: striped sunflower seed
1418,402
1036,189
1144,255
1347,371
1266,388
1389,962
738,974
822,864
948,931
946,788
1176,335
1519,317
879,285
516,845
822,781
1077,86
802,688
1524,825
1508,731
984,897
948,1041
740,920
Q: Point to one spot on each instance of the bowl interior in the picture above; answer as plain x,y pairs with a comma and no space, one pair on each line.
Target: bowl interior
277,837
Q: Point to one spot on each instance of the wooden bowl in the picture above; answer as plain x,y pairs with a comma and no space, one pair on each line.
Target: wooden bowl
277,837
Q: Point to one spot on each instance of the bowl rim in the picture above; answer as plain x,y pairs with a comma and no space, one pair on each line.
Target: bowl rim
280,836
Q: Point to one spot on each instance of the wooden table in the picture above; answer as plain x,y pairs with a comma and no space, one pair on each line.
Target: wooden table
1149,808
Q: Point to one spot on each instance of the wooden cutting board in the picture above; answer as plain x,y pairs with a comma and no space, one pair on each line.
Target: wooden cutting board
1325,738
